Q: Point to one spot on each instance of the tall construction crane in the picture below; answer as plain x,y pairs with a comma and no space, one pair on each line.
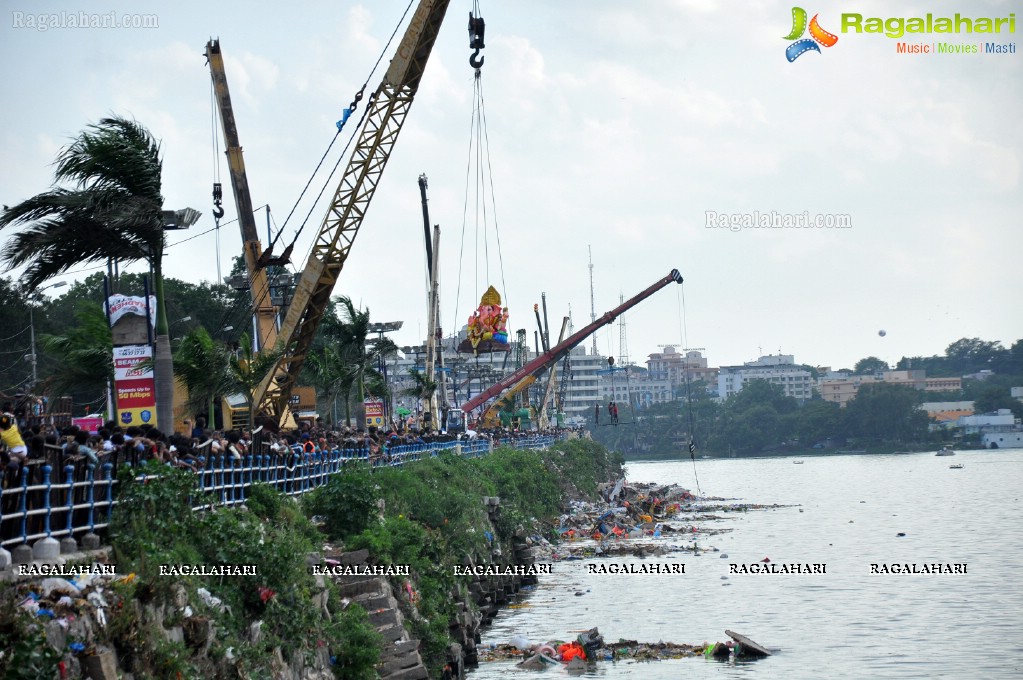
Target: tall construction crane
526,375
255,260
388,106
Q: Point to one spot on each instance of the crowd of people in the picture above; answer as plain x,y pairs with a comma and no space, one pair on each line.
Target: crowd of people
24,438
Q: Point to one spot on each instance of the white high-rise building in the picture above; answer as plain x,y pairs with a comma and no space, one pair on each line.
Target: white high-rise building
778,369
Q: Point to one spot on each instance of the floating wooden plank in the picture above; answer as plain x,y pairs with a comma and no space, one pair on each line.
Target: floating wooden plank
749,648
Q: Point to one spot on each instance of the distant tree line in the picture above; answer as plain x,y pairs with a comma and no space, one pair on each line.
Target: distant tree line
760,418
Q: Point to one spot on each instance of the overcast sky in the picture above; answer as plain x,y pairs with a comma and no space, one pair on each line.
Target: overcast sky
614,126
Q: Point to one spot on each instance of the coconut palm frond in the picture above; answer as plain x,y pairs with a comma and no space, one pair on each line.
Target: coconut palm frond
248,369
114,153
203,366
115,212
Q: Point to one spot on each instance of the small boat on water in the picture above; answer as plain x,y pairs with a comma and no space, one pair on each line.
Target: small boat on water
945,451
797,462
957,466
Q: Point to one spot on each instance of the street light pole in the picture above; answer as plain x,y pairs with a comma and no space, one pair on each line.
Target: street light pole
32,336
380,329
32,329
163,360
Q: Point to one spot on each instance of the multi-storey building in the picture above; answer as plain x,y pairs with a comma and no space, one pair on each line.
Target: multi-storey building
841,387
779,369
677,368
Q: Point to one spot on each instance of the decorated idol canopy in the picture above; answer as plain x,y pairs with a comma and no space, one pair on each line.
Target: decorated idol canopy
487,329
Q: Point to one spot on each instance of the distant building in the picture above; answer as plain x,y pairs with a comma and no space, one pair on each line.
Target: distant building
915,378
780,369
640,390
677,368
840,387
583,390
943,384
1001,420
841,390
1002,440
946,414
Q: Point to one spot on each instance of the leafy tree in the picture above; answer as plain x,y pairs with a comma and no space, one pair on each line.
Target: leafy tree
113,212
759,392
994,397
883,411
970,355
1012,363
758,427
818,420
15,338
85,352
870,365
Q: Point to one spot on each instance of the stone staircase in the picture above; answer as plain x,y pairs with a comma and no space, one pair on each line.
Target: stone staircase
399,659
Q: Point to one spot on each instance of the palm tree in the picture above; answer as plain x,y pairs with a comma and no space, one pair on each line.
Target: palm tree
113,211
247,370
360,353
204,366
331,377
423,388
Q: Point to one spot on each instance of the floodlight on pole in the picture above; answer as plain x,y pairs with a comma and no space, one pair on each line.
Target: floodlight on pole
180,219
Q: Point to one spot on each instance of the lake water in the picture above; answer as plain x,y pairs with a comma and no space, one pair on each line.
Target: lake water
847,623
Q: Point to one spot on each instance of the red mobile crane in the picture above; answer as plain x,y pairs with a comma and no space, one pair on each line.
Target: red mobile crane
456,418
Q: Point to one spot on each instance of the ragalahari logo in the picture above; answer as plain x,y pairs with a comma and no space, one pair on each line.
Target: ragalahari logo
817,35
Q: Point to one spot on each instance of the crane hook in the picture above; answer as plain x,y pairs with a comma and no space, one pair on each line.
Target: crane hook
218,196
477,28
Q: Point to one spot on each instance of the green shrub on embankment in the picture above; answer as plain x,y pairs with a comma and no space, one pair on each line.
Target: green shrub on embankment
154,525
434,517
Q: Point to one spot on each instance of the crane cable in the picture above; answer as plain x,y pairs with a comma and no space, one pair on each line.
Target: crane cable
684,333
218,191
352,106
479,171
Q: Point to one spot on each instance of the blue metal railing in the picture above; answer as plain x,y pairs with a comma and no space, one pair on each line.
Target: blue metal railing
37,503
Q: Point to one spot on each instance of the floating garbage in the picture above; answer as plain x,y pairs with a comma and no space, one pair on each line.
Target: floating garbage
521,643
746,647
537,662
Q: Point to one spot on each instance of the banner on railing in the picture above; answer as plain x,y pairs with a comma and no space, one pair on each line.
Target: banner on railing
134,386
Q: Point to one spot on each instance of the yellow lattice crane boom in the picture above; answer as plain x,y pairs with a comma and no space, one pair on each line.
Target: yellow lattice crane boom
388,106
